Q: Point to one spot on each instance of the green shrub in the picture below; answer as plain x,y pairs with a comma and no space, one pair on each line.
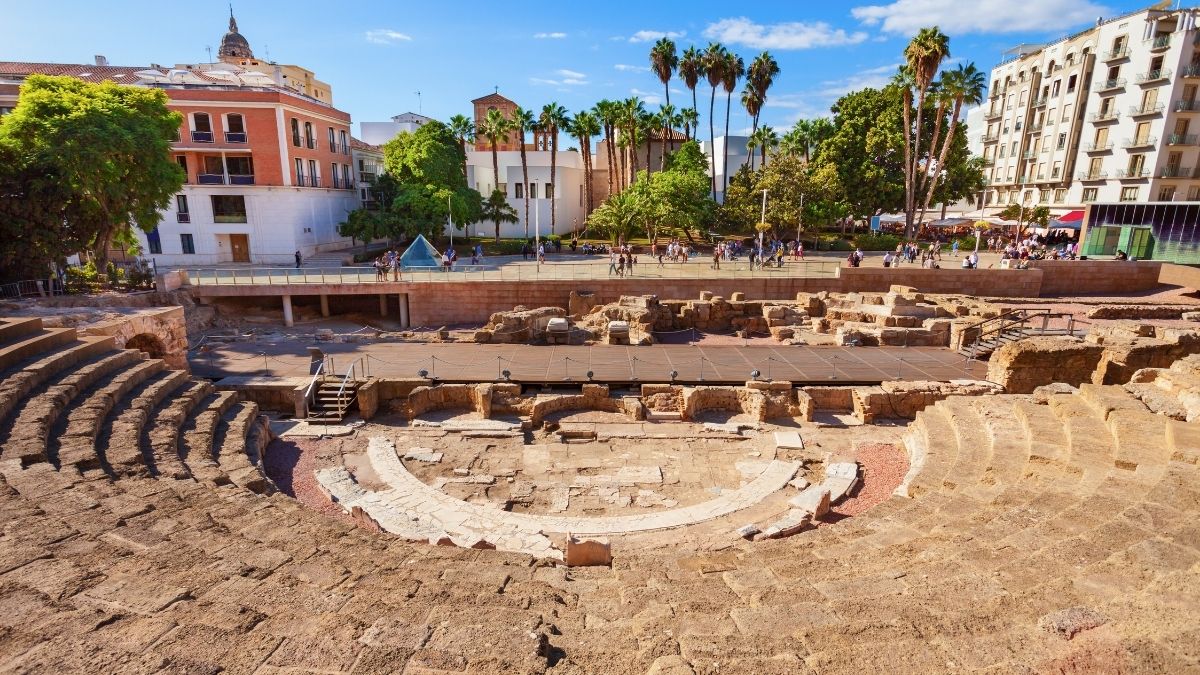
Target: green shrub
965,243
878,242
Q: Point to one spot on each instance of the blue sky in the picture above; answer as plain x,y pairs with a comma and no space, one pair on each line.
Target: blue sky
377,55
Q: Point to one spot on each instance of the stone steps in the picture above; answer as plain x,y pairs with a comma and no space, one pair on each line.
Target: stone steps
27,438
196,437
238,442
122,436
40,368
162,434
75,444
15,328
26,346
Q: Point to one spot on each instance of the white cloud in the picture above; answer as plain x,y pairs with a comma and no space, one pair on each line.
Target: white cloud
652,35
981,16
570,74
565,78
649,98
626,68
870,78
549,36
386,36
788,35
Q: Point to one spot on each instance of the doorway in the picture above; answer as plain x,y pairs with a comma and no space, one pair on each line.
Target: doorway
239,244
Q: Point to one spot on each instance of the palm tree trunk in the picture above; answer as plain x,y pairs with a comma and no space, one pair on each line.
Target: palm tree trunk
610,156
621,178
525,187
945,152
911,196
725,149
908,152
553,175
712,141
933,144
649,147
462,145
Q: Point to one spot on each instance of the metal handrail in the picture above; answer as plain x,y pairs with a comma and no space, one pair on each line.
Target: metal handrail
343,404
313,384
1020,317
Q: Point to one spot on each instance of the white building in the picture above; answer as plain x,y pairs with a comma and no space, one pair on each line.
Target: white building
378,133
1108,114
368,163
738,155
567,196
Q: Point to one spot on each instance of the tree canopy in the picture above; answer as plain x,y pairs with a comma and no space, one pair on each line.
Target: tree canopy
81,163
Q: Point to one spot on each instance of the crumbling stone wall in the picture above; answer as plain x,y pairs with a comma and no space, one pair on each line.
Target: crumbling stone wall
592,397
1022,366
161,332
904,399
1129,347
521,325
441,397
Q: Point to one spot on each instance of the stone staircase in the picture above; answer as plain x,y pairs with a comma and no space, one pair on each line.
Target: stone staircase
1023,521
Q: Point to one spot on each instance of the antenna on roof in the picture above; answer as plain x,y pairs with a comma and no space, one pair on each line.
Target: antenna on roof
418,103
208,48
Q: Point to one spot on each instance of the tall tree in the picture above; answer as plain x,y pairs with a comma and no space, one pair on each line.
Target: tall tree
923,57
523,121
497,209
463,128
632,113
690,119
605,110
495,126
663,61
691,69
584,126
764,139
714,61
83,163
731,73
553,117
666,117
964,85
759,78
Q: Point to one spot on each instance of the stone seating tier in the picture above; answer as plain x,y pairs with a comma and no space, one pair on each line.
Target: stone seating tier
1034,515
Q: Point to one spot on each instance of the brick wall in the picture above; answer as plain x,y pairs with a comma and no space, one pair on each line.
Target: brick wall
1099,277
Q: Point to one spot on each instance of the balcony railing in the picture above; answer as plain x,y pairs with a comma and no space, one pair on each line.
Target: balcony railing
1092,175
1114,83
311,143
1139,142
1191,70
1132,174
991,138
296,140
183,217
1175,172
1181,139
220,179
315,181
202,137
1116,54
1034,128
1039,102
235,137
1153,76
1187,106
993,114
1147,109
366,176
1097,147
344,148
1103,116
1160,43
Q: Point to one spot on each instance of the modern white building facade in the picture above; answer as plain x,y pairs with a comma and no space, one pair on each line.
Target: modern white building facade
565,196
1108,114
378,133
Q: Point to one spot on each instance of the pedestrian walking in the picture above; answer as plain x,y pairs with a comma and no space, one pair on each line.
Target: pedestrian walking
297,259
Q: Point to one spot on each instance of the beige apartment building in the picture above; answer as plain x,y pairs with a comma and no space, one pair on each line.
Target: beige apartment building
1105,115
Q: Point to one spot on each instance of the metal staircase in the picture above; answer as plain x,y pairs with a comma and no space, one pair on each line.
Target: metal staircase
987,336
330,397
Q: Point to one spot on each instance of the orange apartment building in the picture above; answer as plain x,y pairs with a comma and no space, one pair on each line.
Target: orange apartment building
269,169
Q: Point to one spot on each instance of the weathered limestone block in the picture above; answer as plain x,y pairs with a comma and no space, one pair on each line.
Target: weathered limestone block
904,399
814,501
1022,366
1138,312
588,552
581,302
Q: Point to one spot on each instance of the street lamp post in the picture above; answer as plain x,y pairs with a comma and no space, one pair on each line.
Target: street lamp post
450,215
762,220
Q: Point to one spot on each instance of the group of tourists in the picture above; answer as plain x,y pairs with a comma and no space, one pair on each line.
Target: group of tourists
674,251
388,262
621,260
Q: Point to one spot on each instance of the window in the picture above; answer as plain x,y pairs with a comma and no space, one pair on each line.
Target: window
1066,113
1166,193
201,128
299,171
332,141
1136,164
4,110
1143,133
154,239
314,173
309,140
235,128
549,190
1054,87
1194,193
1013,150
182,215
1043,196
186,244
229,208
295,132
1129,194
1062,142
533,191
1060,195
1089,194
346,177
182,161
1056,171
240,169
1071,83
334,176
343,143
1002,149
519,193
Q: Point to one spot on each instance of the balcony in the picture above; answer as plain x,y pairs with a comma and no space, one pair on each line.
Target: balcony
991,138
1133,174
1034,128
344,148
1097,147
1181,139
1151,76
1147,109
310,143
1187,106
183,217
1175,172
1092,175
1108,85
1160,43
1143,142
1039,102
368,176
1104,116
1190,71
202,137
220,179
235,137
993,114
1117,54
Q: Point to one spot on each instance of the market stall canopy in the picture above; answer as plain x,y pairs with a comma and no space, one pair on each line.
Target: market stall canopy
891,217
953,222
1070,221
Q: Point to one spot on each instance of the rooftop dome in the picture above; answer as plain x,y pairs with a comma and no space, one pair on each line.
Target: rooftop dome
233,44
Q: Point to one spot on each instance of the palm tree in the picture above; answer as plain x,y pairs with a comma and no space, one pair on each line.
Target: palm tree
759,78
606,111
732,72
495,127
714,68
463,129
632,113
753,105
663,61
523,121
497,209
649,123
690,119
964,85
584,126
923,57
691,69
666,116
765,139
553,116
793,142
